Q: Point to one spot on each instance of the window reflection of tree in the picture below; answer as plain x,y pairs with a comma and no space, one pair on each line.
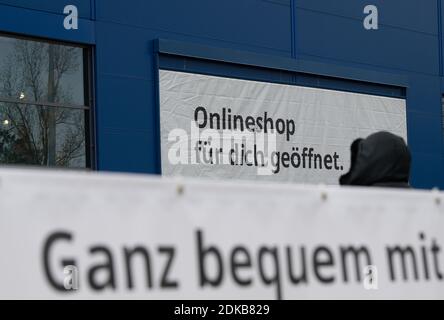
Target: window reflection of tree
40,135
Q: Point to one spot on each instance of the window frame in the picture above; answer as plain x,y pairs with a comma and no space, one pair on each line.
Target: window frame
89,99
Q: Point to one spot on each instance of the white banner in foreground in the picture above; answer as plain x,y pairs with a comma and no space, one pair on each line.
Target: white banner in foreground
231,128
152,238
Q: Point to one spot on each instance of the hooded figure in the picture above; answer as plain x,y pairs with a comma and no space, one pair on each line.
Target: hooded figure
382,159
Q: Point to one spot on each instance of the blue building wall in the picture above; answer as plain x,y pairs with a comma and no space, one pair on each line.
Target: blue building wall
317,36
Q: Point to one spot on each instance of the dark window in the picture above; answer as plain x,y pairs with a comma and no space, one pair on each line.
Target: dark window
44,105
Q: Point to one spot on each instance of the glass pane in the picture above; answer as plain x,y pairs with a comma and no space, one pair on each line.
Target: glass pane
41,72
39,135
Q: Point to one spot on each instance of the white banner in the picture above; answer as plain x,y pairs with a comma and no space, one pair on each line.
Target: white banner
231,128
151,238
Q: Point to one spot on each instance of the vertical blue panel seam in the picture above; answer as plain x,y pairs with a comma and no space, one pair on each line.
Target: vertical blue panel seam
440,43
93,9
293,27
440,50
94,66
293,35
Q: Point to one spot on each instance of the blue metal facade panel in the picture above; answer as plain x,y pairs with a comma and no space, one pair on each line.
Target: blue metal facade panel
314,36
53,6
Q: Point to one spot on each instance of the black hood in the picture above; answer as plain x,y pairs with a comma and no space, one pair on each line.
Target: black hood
381,159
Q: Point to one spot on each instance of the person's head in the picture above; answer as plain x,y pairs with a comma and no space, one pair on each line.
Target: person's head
381,159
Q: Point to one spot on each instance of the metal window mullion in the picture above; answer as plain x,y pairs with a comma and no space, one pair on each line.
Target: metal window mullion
44,104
